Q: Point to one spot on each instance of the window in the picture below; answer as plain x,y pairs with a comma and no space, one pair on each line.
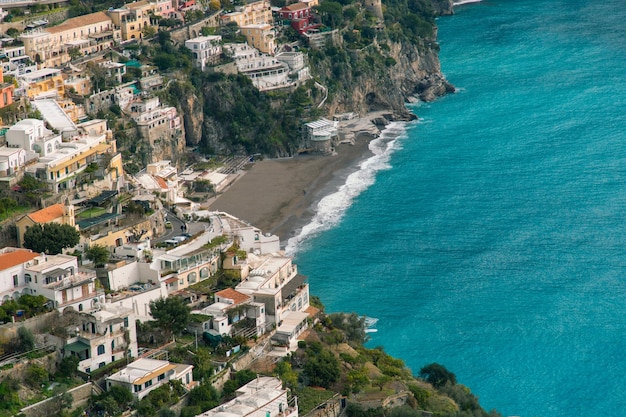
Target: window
125,321
101,364
15,280
112,344
137,388
147,384
161,377
27,278
110,328
80,307
100,349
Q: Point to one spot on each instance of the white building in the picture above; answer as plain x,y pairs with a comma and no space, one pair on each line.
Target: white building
102,336
13,263
58,278
320,133
275,282
249,238
155,121
114,69
205,50
265,72
262,397
134,285
12,160
15,62
233,307
144,375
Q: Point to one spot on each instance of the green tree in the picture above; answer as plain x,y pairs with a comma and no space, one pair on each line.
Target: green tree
13,32
30,183
437,375
98,254
321,368
9,398
74,53
24,341
357,379
7,206
171,314
202,366
331,13
204,397
35,375
149,32
68,366
352,325
286,374
121,395
51,238
33,304
381,381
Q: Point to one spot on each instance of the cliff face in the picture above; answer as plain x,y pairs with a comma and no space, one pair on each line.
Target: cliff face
388,72
361,69
408,72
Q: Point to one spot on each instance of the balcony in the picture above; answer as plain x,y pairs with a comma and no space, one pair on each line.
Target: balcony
75,280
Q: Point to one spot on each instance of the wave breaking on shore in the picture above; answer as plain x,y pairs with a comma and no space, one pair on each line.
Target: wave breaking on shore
331,208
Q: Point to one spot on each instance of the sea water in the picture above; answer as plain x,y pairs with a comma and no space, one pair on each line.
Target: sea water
490,236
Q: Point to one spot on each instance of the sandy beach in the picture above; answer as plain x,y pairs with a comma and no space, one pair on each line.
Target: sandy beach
280,195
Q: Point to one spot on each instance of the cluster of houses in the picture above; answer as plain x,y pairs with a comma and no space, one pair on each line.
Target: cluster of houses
76,157
99,307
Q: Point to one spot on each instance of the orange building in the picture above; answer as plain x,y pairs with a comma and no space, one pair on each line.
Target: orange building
6,92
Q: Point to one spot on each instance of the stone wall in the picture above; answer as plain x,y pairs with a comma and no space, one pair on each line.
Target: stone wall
80,397
36,325
52,17
193,30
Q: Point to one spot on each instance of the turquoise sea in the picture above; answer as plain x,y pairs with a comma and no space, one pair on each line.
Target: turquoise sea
490,236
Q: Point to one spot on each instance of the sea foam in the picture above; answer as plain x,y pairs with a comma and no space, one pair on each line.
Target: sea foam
331,208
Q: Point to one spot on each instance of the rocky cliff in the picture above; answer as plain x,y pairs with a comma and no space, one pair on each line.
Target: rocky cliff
366,65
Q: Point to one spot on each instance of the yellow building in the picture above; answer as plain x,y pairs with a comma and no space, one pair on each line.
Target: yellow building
83,34
118,236
132,18
254,13
44,83
58,213
261,37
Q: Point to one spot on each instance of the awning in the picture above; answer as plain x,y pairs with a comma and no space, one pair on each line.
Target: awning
170,280
152,374
77,347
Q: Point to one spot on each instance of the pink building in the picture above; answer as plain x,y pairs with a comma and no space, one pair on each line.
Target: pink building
164,8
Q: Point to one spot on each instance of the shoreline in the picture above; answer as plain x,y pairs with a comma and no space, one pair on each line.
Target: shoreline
280,196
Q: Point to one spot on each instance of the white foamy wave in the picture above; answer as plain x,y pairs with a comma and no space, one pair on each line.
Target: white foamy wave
331,208
460,2
370,323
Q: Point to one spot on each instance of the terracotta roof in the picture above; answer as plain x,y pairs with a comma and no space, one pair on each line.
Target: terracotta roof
10,259
234,295
295,7
48,214
170,280
161,182
76,22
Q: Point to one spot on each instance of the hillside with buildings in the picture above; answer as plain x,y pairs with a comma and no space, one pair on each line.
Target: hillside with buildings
121,292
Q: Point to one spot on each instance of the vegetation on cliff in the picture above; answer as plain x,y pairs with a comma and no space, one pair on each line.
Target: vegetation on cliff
366,64
334,357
